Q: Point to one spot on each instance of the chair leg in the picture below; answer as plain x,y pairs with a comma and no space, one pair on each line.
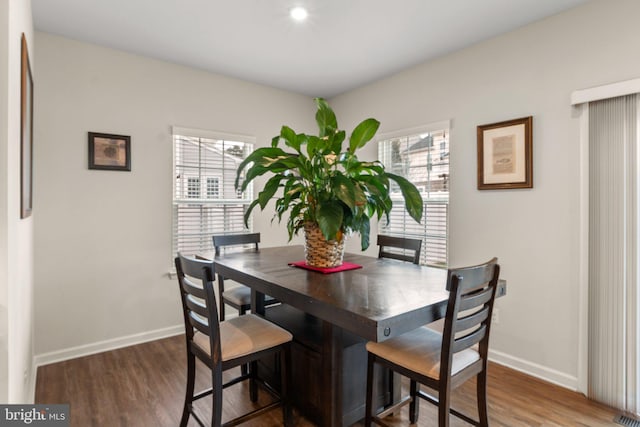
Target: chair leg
285,379
481,391
391,389
368,414
414,406
216,383
243,368
188,397
220,292
444,402
221,310
253,383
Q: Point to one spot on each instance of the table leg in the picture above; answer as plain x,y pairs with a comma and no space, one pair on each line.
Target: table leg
257,302
331,375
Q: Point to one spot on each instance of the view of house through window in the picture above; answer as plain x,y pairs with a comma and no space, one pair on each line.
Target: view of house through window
205,201
422,158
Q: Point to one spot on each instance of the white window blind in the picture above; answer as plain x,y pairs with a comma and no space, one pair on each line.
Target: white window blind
205,201
614,252
423,158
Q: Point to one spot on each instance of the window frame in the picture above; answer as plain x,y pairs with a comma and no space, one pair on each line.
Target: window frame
433,202
203,198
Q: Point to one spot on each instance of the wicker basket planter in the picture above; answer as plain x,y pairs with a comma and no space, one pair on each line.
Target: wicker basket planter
318,251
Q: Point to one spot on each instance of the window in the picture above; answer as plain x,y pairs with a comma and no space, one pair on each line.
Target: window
213,189
193,188
421,156
205,200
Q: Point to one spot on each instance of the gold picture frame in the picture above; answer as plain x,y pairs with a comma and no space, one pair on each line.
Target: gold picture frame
505,155
26,133
109,152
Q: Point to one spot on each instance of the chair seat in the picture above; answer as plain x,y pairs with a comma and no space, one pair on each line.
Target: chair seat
244,335
241,295
419,351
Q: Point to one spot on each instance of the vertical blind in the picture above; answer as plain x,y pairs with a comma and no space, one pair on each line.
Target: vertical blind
613,252
205,201
422,158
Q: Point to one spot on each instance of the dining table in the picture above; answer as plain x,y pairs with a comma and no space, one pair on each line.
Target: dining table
332,316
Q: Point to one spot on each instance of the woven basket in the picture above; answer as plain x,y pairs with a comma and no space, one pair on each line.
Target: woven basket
318,251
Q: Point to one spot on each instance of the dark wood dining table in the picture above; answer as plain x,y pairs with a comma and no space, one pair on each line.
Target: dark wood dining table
333,315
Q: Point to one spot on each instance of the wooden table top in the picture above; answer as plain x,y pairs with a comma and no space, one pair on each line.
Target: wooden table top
383,299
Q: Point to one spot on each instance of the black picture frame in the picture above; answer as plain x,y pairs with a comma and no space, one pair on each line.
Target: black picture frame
26,133
109,151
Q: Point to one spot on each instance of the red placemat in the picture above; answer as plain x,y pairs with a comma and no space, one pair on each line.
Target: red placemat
326,270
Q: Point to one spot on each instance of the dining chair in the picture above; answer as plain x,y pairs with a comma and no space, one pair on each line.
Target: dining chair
403,249
402,245
225,345
239,296
444,361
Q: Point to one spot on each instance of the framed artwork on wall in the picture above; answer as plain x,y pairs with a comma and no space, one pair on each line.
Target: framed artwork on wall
505,155
26,133
109,152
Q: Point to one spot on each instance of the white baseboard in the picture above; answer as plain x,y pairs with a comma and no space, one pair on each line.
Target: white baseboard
535,370
100,346
31,384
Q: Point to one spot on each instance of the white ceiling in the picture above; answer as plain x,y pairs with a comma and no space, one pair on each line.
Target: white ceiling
342,45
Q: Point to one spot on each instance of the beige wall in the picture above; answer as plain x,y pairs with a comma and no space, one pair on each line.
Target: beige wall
16,235
103,238
535,233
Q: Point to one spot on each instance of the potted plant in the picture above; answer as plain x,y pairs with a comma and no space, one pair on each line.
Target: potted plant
325,189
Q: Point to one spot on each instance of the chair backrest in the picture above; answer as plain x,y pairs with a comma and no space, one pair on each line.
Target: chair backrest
195,277
403,243
468,320
220,240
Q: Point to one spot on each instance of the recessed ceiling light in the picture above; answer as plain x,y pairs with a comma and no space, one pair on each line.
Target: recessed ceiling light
299,13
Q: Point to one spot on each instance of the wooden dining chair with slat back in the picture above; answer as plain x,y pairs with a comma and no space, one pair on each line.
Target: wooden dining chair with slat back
401,248
225,345
239,296
444,361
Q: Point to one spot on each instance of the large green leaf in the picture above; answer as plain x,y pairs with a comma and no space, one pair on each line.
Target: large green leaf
254,172
326,118
344,190
269,190
257,157
363,134
412,198
290,138
312,145
329,216
247,214
336,143
365,230
374,185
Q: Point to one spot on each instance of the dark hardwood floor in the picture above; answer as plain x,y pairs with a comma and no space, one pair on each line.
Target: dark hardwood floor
143,385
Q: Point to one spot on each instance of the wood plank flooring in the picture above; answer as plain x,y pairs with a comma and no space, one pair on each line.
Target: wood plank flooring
143,385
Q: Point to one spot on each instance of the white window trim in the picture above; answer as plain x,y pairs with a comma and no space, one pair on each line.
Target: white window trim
613,90
211,134
431,127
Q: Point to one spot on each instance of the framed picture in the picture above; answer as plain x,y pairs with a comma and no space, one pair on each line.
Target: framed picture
109,152
505,155
26,134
